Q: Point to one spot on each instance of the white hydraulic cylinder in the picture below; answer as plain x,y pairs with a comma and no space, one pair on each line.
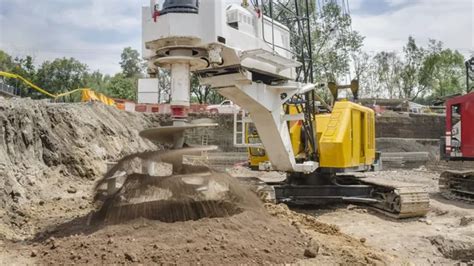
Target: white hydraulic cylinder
180,84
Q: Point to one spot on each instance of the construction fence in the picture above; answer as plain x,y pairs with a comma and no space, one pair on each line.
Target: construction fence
89,95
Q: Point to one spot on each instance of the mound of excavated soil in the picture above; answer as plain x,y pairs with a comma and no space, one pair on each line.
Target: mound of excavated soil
51,152
252,236
177,198
247,237
158,186
333,246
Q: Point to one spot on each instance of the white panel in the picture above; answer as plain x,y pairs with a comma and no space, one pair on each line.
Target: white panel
148,91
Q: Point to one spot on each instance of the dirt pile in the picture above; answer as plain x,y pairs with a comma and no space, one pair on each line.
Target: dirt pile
301,220
51,152
177,198
158,186
249,237
334,247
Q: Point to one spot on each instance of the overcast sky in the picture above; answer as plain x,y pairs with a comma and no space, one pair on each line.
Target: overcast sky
96,31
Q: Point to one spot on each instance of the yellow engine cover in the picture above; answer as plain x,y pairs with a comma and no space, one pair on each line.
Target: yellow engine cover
348,139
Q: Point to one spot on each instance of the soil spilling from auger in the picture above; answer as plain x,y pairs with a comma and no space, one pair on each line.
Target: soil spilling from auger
150,189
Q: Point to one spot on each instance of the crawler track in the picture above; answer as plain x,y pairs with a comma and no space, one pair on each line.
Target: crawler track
457,185
394,199
399,200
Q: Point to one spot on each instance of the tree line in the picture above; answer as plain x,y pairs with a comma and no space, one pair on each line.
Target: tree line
418,73
66,74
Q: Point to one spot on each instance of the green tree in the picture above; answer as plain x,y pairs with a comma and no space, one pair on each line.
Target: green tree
25,68
6,62
204,94
365,72
61,75
422,73
122,87
388,67
66,74
411,70
131,63
443,70
97,81
21,66
334,42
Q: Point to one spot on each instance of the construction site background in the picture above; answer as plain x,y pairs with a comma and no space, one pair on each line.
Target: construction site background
53,153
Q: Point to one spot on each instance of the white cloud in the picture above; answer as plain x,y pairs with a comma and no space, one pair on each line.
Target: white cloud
104,14
93,31
398,2
450,21
355,4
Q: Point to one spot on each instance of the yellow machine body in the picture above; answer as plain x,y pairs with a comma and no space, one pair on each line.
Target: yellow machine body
346,138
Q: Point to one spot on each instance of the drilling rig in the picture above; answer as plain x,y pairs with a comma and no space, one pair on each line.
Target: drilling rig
244,53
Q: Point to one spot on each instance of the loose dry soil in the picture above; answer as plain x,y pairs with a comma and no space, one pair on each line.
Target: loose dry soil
444,236
52,155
